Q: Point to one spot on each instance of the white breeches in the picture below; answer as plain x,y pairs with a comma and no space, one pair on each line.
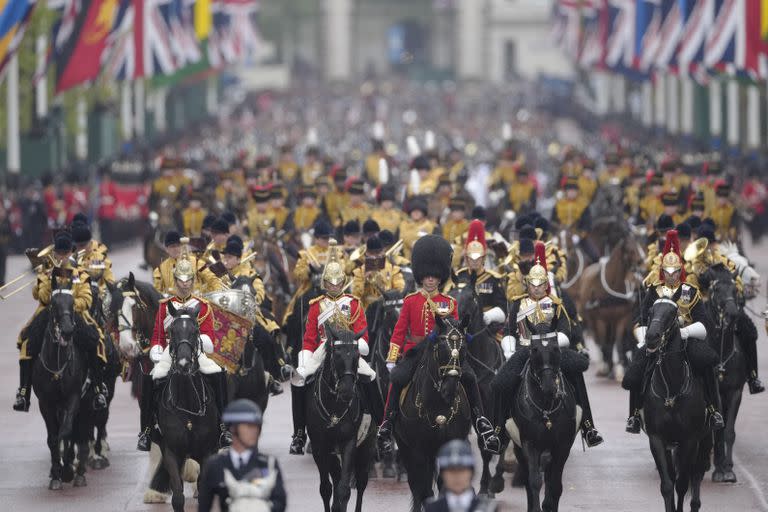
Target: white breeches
163,366
311,364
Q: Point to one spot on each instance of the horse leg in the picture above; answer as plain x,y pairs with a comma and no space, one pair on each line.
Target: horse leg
659,452
420,480
341,489
701,465
363,463
533,486
496,485
685,456
172,465
719,455
52,427
606,351
520,478
485,476
326,488
729,434
83,432
553,479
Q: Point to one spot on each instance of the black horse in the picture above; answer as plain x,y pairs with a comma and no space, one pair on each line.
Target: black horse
674,410
723,312
250,380
544,421
434,407
335,414
485,357
187,415
59,379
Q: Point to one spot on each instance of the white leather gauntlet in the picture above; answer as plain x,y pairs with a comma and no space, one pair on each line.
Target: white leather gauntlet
639,333
206,343
362,346
562,340
155,353
494,315
695,330
304,355
508,345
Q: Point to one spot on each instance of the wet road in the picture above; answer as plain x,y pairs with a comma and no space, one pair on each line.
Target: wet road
617,476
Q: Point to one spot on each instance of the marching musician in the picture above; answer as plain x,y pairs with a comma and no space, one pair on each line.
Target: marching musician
242,476
92,254
336,309
671,283
61,273
376,275
432,256
538,305
184,274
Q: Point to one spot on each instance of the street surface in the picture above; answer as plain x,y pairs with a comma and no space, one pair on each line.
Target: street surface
616,476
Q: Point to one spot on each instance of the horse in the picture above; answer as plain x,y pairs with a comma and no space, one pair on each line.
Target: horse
607,301
59,380
434,406
343,438
249,379
186,414
544,421
485,357
723,311
674,410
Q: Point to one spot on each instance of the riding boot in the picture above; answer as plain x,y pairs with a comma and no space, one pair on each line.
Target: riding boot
96,375
299,411
24,393
750,354
146,413
217,381
634,422
374,405
715,419
391,408
273,385
483,426
588,431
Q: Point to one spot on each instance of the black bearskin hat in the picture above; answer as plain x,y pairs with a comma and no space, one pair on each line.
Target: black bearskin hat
431,256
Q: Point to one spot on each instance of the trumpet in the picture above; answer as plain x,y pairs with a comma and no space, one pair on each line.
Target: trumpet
39,260
394,249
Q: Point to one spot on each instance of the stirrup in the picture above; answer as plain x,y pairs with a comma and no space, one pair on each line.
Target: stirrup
144,443
592,437
225,439
715,420
275,388
755,386
634,424
297,443
22,400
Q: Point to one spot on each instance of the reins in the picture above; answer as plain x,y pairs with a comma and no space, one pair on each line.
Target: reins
329,417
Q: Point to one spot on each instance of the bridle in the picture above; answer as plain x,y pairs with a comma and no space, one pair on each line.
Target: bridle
454,338
661,350
53,332
332,387
722,324
125,324
201,396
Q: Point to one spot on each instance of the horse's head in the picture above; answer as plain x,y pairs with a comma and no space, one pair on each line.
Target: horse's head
663,323
545,359
448,347
63,315
184,338
632,253
720,285
468,301
131,315
343,357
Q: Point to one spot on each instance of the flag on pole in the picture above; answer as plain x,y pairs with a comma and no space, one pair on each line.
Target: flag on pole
14,17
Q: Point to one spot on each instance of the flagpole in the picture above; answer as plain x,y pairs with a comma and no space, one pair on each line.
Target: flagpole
753,116
139,109
673,105
126,117
660,98
686,105
647,104
41,89
715,110
732,92
13,158
81,127
159,100
619,90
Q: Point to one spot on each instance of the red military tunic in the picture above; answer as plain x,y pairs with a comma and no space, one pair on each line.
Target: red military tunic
417,318
163,319
321,311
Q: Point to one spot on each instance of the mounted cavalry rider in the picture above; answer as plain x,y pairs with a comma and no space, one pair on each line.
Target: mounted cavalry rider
163,276
456,465
159,352
535,307
336,309
489,285
671,284
60,274
432,256
376,275
572,213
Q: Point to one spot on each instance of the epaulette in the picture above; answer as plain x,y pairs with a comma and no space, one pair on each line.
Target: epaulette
316,299
518,297
412,294
493,273
462,270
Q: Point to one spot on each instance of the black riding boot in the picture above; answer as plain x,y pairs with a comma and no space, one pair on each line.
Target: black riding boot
96,375
218,384
588,431
24,393
749,345
372,401
299,411
146,413
715,419
391,409
634,422
483,426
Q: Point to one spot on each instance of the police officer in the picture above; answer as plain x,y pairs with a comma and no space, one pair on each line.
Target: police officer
241,472
457,467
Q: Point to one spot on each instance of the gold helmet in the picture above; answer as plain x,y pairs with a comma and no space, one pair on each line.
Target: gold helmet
476,245
671,261
333,272
538,274
185,267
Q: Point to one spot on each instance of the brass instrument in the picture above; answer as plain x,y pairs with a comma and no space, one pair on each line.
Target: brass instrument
357,254
695,249
40,260
396,247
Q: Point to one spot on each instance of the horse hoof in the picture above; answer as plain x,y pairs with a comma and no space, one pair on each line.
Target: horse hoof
729,477
55,485
67,474
496,485
80,481
388,472
98,463
152,496
717,476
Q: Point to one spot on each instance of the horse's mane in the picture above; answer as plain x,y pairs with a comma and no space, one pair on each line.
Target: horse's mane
147,291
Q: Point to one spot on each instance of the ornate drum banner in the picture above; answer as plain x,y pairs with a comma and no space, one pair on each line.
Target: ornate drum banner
231,332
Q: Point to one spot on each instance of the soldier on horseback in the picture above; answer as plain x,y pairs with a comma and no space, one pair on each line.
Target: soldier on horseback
332,308
377,274
538,306
60,273
184,284
572,213
163,276
671,283
431,269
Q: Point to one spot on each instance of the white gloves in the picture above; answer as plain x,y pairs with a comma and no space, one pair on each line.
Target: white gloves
575,239
508,344
695,330
494,315
304,355
562,340
155,353
639,333
206,343
362,346
390,366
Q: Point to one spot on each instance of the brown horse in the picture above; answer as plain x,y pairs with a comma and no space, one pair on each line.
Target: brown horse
606,300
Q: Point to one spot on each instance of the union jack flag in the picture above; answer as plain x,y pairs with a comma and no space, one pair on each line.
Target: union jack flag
647,34
620,47
726,45
700,16
669,38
